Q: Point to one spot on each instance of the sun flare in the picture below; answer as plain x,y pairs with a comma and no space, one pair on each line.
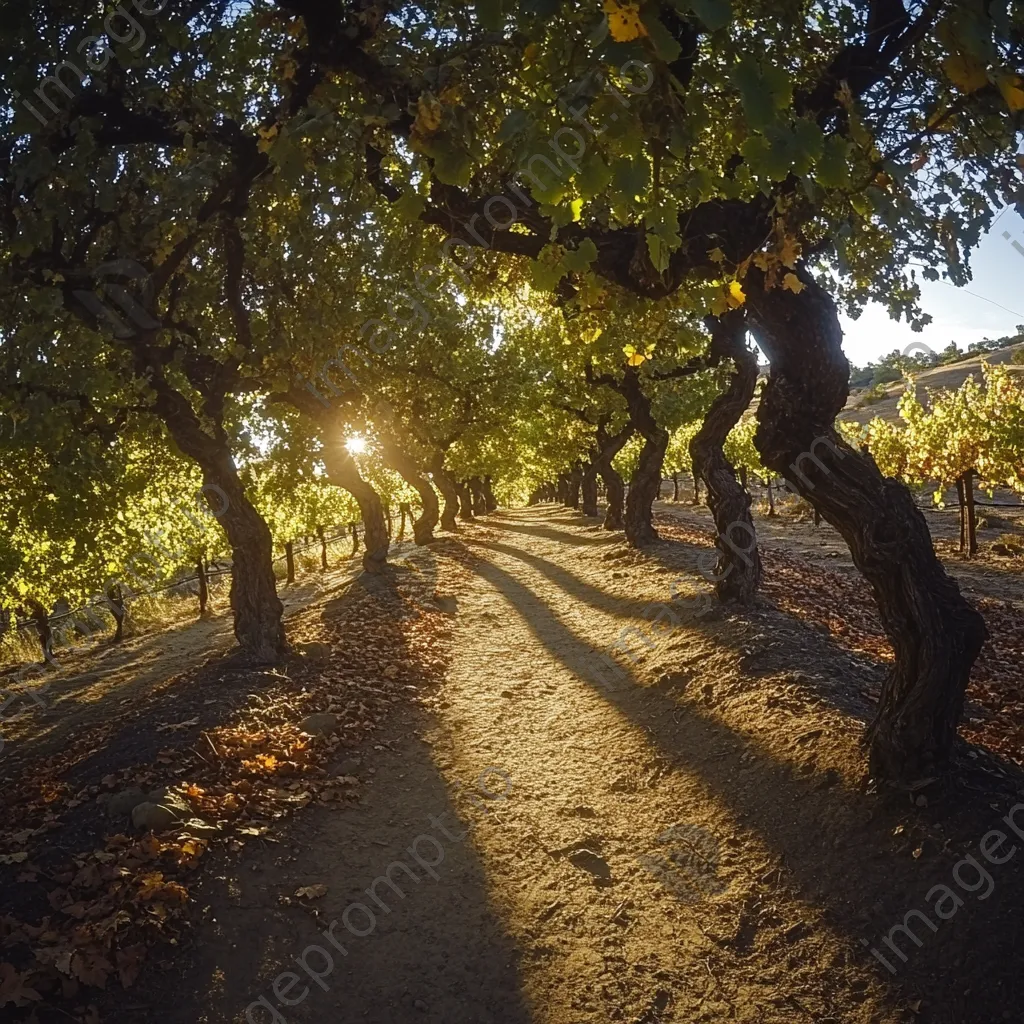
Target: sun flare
356,445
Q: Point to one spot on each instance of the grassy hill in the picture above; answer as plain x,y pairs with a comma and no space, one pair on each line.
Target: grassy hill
861,407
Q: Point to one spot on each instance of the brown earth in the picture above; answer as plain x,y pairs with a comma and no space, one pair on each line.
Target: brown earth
684,833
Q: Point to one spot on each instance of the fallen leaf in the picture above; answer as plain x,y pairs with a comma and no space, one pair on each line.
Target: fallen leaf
129,963
91,968
13,987
312,892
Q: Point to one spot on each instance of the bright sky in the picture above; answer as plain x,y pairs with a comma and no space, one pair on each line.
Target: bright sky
958,314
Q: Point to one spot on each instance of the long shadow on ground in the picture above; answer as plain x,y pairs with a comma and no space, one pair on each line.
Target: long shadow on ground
439,954
838,847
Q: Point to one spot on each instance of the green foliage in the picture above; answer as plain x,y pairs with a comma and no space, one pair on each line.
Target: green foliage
979,426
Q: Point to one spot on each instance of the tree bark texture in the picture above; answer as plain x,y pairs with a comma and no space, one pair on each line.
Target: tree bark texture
936,635
449,492
608,446
738,572
257,609
588,489
342,471
403,464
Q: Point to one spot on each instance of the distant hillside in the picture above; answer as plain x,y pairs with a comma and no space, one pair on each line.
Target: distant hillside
859,409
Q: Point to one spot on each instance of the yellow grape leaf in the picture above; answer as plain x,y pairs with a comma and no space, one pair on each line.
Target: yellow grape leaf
591,335
789,251
1010,87
624,22
636,359
964,72
428,114
793,283
737,296
267,136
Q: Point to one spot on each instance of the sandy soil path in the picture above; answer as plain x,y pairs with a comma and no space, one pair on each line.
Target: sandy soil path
546,840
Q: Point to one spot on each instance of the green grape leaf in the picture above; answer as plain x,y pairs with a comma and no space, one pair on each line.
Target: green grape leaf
516,121
630,176
666,46
715,14
833,168
594,176
578,260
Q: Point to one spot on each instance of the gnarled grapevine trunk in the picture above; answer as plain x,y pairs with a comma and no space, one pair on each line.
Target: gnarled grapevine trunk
575,477
204,589
738,572
465,501
254,601
588,489
446,485
563,488
405,466
935,633
342,471
41,617
476,486
492,501
608,446
645,484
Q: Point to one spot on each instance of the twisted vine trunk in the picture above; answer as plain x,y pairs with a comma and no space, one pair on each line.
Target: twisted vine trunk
41,617
608,446
342,471
254,602
403,464
562,492
936,635
492,501
645,484
323,547
465,501
738,572
446,485
476,486
575,477
588,489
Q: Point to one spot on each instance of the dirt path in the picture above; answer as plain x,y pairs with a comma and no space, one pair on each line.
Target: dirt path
547,840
